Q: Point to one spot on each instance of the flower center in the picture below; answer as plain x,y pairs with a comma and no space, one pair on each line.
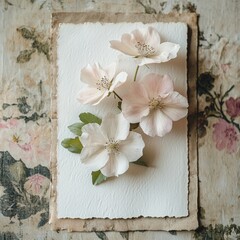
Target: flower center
112,146
231,134
16,138
144,49
156,103
103,83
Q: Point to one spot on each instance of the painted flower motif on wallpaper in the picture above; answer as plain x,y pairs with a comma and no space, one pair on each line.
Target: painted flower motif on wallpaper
37,185
223,108
233,107
26,141
25,190
226,136
109,144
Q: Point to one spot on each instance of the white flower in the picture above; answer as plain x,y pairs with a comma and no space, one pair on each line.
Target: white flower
100,82
110,147
154,104
144,44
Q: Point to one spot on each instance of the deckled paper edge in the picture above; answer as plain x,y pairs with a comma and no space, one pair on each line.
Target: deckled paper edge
168,223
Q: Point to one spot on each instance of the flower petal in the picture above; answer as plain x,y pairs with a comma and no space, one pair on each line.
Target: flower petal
153,37
126,45
92,96
90,74
92,135
175,106
167,51
116,165
118,81
149,36
156,123
156,84
135,103
95,157
116,127
132,147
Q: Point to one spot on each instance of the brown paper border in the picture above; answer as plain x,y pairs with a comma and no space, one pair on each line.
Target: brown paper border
168,223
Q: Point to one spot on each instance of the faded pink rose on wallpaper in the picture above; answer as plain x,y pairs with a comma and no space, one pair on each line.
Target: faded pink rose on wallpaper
226,136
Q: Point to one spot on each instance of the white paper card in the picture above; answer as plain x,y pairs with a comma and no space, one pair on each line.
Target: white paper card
159,190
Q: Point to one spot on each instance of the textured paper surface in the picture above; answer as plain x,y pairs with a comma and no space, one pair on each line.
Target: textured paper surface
99,224
157,191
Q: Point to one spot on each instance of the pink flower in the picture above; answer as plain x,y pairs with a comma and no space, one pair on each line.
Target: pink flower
226,136
100,82
233,107
37,185
154,104
145,45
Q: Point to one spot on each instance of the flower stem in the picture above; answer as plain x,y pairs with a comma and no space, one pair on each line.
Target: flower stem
117,95
136,72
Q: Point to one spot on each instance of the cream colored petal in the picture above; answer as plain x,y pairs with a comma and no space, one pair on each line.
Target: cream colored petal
115,126
152,38
116,165
124,48
95,157
167,51
92,135
132,147
92,96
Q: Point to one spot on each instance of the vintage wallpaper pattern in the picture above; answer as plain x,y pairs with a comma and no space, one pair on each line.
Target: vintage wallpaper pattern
25,109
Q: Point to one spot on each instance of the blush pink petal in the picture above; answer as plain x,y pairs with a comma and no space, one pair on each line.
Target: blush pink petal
135,103
145,45
116,165
91,96
156,84
126,45
90,74
156,124
115,127
176,106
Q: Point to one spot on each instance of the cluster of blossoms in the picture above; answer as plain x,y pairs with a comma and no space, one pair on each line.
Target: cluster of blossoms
150,103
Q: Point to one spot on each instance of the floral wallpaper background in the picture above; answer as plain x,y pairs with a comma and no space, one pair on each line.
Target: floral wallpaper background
25,125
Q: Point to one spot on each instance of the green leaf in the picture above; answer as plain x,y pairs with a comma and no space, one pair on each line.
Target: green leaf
89,118
72,144
140,162
76,128
25,55
98,177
